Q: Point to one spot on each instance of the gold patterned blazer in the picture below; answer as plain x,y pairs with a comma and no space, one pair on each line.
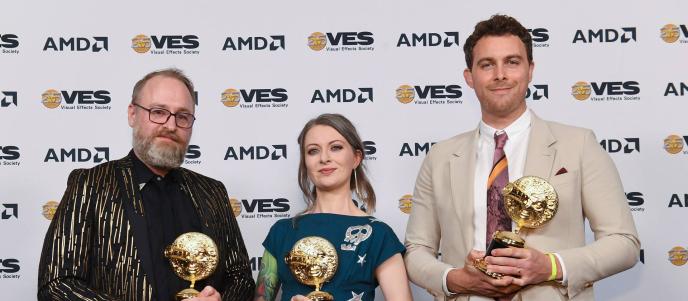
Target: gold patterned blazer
96,247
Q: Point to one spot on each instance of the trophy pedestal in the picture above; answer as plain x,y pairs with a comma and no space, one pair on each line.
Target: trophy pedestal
186,294
500,239
320,296
481,265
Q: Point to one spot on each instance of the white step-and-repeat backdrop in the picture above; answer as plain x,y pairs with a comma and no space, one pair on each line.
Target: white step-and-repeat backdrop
67,69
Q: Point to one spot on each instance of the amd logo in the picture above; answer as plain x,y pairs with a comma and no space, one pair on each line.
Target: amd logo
429,39
415,149
259,152
97,44
537,92
627,146
10,211
608,35
8,98
97,155
343,95
272,43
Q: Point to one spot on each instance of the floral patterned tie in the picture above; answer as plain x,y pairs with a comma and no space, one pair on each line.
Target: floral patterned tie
497,219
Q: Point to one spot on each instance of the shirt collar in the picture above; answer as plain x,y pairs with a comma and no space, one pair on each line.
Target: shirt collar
519,125
143,174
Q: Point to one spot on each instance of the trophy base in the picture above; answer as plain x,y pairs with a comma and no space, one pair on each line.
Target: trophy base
320,296
481,265
186,294
500,239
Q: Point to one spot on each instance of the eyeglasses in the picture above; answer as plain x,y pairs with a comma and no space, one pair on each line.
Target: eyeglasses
161,116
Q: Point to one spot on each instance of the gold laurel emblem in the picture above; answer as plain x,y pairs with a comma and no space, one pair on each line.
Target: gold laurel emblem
194,257
673,144
141,43
530,202
405,94
231,97
405,203
313,261
678,256
236,206
49,209
51,98
669,33
581,90
317,41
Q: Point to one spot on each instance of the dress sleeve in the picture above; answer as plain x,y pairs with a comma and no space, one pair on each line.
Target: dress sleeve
386,244
275,237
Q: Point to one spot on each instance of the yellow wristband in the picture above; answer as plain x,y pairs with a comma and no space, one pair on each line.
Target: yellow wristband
554,267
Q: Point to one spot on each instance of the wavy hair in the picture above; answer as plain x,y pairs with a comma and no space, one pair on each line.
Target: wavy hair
358,182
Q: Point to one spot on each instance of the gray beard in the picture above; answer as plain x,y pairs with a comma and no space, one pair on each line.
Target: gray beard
156,155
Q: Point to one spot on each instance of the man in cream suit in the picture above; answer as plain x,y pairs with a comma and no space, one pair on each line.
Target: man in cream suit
454,206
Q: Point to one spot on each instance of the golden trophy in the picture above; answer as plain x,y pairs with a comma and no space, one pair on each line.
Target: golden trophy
193,257
313,261
530,202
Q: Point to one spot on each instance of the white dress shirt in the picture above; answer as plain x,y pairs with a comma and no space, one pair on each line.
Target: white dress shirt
516,148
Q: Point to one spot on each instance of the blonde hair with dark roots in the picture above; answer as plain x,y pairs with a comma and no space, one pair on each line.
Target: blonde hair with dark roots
345,128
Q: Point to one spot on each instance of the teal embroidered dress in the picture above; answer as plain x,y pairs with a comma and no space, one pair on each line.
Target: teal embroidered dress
362,243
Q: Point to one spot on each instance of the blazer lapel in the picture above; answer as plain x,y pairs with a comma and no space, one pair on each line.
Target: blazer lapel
462,174
199,197
192,193
133,207
541,153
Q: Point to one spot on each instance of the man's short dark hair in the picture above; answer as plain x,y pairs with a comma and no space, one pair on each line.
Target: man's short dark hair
169,72
497,25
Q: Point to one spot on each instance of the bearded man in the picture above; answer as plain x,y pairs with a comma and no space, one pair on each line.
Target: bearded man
107,238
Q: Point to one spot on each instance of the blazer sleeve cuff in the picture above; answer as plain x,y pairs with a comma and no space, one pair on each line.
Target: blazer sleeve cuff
444,282
429,274
575,282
